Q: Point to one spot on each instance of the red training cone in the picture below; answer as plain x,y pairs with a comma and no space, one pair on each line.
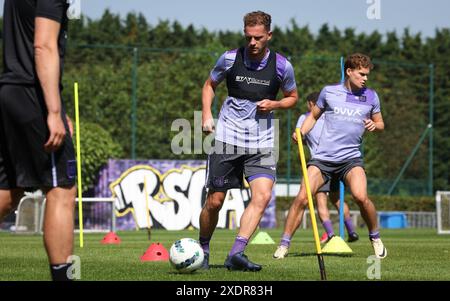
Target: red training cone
111,238
156,252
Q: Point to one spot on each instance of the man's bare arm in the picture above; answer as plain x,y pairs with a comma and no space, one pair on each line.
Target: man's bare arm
310,121
288,101
48,70
376,123
208,93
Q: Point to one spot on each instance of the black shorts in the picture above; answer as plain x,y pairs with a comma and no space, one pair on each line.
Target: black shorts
333,172
227,165
23,133
330,186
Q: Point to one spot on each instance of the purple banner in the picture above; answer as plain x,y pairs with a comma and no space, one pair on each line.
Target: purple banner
168,194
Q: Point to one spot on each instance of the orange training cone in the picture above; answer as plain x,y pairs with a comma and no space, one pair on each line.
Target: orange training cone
156,252
111,238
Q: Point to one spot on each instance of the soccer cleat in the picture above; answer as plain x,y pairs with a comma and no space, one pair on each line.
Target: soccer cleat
281,252
352,237
205,263
240,262
378,247
330,237
324,238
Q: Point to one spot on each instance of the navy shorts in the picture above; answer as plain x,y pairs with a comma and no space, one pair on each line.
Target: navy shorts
23,133
333,172
228,164
330,186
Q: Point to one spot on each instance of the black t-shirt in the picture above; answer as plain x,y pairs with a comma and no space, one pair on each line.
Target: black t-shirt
18,37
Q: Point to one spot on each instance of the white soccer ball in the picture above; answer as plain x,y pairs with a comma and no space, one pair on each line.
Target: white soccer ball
186,255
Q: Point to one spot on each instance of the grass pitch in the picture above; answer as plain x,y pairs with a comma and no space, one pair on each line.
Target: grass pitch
413,254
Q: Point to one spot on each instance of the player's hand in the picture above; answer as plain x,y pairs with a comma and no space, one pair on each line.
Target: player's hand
208,124
265,106
57,132
294,136
370,125
70,124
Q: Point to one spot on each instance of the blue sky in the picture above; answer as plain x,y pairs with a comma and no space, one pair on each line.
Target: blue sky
419,15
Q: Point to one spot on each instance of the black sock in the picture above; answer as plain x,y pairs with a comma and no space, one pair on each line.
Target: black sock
59,272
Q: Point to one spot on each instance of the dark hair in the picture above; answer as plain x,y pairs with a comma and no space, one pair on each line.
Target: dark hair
313,97
258,18
358,60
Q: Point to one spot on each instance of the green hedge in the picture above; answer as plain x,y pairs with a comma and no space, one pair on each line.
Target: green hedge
382,203
97,146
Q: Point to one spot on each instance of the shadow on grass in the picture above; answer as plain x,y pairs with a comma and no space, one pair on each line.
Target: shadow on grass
303,254
211,267
217,266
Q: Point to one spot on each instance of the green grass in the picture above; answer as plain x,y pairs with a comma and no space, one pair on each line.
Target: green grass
413,254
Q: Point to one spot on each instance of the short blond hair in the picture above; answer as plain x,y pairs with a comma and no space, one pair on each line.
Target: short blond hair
258,18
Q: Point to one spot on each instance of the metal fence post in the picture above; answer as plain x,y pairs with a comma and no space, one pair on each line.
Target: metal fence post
134,103
430,141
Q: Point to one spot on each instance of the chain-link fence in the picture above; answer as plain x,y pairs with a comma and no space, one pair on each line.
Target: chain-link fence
136,94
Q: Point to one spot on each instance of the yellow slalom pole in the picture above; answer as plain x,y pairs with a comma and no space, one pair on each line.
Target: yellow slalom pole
77,133
310,204
148,209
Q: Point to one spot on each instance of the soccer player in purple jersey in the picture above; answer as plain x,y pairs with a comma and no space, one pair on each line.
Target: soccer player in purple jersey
349,109
331,187
244,136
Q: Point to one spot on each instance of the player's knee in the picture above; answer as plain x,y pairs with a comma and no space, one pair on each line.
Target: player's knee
304,202
300,201
258,206
361,199
214,203
62,196
262,197
66,203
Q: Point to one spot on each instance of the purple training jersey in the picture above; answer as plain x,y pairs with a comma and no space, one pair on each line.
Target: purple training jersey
343,128
239,122
313,137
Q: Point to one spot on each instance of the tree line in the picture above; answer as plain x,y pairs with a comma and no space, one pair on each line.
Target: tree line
165,65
